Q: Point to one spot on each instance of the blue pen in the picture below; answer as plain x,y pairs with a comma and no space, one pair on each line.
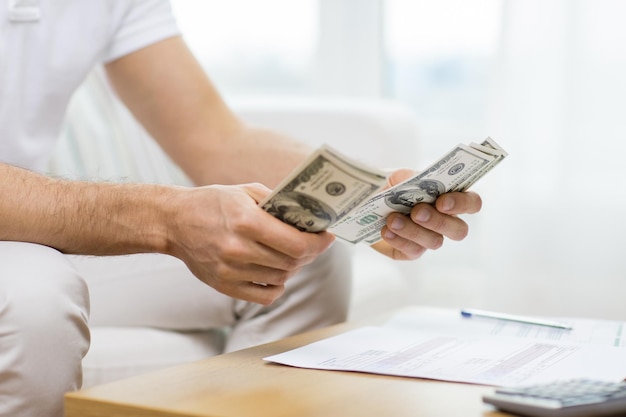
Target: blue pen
469,313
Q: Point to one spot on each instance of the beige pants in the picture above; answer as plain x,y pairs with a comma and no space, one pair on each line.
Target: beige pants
44,308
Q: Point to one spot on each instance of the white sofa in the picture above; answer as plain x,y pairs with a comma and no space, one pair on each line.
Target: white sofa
101,140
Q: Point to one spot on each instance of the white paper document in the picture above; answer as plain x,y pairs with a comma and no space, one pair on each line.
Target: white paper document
438,344
439,320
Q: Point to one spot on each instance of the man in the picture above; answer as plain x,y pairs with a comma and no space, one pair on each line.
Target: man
247,258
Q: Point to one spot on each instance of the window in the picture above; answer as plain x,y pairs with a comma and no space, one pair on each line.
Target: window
252,47
439,56
433,56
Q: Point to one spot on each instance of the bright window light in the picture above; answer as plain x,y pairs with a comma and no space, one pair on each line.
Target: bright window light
249,46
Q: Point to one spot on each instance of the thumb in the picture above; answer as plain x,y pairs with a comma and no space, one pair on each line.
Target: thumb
400,175
257,191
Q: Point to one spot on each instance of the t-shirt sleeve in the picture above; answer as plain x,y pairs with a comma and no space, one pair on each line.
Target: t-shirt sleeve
139,23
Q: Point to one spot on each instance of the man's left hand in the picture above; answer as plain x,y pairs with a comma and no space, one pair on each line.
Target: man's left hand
408,237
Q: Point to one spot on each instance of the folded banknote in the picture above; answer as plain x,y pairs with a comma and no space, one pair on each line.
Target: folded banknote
329,191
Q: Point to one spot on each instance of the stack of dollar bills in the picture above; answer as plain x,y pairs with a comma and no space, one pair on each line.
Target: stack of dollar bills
329,191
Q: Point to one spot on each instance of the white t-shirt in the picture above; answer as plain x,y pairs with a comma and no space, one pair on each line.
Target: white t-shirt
47,47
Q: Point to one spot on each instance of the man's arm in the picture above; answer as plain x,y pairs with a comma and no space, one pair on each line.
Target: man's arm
218,231
169,93
82,217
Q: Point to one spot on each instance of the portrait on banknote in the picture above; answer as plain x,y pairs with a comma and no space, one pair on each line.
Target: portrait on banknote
304,212
407,195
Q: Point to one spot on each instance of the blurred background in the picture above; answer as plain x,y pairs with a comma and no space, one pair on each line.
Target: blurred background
546,79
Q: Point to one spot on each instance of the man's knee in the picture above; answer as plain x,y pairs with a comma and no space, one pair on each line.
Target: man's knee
321,289
39,285
331,278
319,295
43,328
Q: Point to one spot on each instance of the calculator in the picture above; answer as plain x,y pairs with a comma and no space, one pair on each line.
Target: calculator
567,398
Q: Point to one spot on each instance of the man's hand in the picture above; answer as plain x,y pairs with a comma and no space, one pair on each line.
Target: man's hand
408,237
234,246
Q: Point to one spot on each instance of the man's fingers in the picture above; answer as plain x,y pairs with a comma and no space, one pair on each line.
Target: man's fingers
257,191
253,283
398,248
258,292
446,225
421,234
400,175
459,203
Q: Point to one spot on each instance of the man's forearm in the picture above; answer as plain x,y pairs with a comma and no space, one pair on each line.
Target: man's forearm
83,217
254,155
184,112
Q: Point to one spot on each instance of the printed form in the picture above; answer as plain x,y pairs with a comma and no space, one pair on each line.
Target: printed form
439,344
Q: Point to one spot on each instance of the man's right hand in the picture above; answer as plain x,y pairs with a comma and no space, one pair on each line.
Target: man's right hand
234,246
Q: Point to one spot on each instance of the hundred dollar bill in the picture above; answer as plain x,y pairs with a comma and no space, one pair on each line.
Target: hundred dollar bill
323,190
488,146
457,168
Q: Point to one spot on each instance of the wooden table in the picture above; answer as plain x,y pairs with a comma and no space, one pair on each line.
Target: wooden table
241,384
